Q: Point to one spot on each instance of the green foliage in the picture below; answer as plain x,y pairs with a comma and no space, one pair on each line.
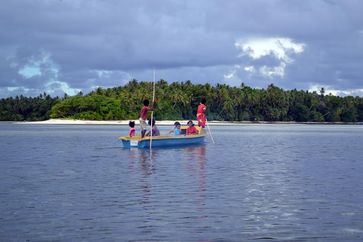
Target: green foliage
179,100
92,107
26,108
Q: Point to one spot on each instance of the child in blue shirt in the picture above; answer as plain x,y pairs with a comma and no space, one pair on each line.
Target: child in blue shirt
176,129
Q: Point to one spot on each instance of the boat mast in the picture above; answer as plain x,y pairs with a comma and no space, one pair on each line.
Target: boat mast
152,112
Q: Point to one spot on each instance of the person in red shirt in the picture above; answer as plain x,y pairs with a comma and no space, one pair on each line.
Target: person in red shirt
200,113
132,130
143,117
191,129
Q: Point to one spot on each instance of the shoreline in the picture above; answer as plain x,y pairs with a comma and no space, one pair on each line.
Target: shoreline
171,122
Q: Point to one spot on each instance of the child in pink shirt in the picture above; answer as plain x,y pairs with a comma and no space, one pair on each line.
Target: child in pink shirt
132,130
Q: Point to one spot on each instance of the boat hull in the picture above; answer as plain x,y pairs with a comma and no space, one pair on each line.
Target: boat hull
161,141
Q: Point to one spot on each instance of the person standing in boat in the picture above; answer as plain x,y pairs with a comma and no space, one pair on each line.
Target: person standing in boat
132,130
191,128
154,129
200,113
143,117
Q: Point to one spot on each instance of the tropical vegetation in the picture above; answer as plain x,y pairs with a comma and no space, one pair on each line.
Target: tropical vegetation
179,100
23,108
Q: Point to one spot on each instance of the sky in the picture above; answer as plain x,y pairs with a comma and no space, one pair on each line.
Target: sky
68,46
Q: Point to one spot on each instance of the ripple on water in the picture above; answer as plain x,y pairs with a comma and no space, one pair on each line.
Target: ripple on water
258,182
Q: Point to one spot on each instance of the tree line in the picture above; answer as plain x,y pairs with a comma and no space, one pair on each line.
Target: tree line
179,100
23,108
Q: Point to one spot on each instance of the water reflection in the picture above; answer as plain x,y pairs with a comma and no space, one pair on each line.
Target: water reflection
198,153
143,158
163,181
144,164
196,160
147,159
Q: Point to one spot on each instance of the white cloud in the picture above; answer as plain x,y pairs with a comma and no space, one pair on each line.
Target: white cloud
30,71
249,69
280,49
273,71
14,89
230,75
328,90
260,47
36,73
59,87
263,60
38,65
107,78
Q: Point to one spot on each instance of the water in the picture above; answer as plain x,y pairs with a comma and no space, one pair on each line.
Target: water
258,182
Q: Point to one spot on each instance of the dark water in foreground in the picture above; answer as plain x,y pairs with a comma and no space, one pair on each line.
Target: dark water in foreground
258,182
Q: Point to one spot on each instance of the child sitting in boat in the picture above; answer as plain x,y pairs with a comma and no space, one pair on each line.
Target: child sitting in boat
154,129
176,129
191,128
132,130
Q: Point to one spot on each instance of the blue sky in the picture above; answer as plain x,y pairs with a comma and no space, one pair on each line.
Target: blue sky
58,46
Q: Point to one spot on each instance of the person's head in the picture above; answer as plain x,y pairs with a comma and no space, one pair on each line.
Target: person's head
146,102
190,123
153,122
177,125
132,124
203,101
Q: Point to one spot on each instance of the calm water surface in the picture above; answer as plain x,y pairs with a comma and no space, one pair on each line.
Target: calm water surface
258,182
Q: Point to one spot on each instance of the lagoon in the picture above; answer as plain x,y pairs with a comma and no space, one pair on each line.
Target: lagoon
260,182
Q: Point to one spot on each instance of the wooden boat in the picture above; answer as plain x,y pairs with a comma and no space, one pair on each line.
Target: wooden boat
164,140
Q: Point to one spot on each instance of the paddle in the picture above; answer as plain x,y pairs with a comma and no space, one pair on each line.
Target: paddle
152,112
210,133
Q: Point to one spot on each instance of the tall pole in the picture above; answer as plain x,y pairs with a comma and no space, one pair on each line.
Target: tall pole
152,112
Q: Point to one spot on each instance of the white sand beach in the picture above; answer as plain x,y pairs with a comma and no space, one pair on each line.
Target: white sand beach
168,122
122,122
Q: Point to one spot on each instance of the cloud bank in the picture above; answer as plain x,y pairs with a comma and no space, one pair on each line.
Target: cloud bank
64,46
